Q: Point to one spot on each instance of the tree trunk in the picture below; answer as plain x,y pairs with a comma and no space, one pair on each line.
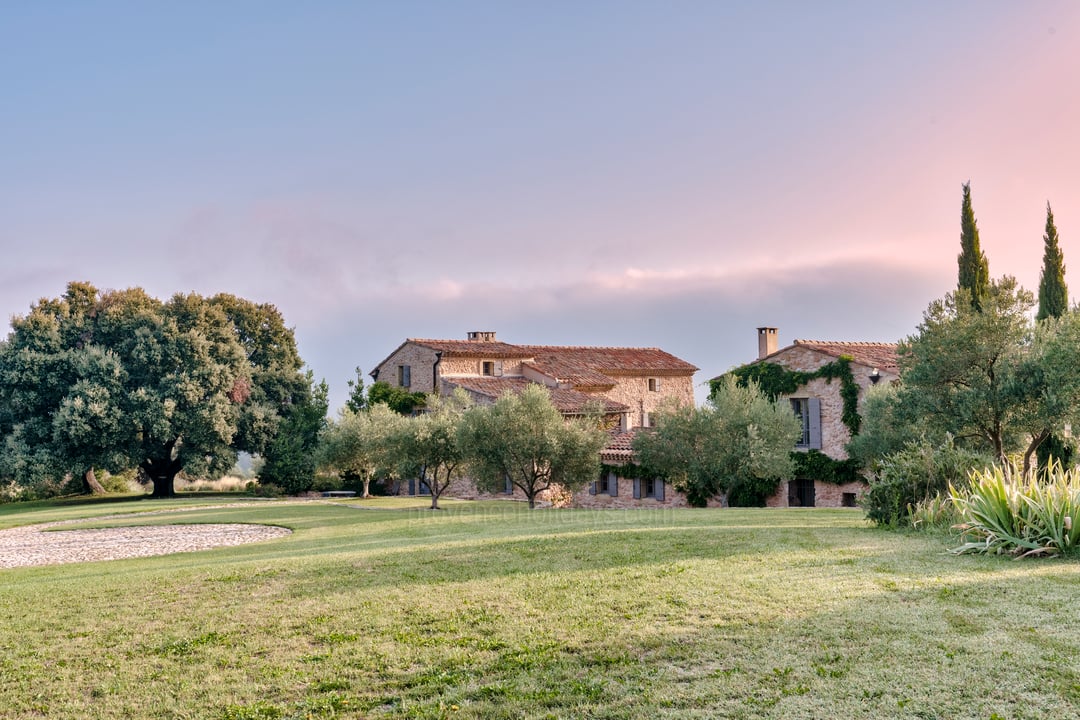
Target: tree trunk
92,484
367,486
1036,441
162,473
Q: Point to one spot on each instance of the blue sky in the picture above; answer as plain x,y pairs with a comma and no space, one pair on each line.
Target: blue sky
609,173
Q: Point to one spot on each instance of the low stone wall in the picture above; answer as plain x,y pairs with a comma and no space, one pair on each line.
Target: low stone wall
826,494
465,489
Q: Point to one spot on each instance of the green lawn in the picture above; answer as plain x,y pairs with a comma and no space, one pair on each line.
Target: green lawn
488,610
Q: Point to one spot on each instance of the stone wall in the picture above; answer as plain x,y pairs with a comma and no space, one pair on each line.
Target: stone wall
464,488
834,434
826,494
633,391
473,366
421,361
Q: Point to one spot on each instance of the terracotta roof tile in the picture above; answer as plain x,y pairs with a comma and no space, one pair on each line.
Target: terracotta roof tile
566,401
588,361
473,348
870,354
620,447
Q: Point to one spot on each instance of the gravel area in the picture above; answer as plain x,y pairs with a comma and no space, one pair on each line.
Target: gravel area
28,545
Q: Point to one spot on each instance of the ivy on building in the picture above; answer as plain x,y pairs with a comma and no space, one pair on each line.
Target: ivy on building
629,470
816,465
776,380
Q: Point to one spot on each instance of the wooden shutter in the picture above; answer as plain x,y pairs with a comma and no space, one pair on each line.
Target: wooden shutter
592,488
406,376
509,487
498,368
658,486
637,488
412,486
613,484
814,409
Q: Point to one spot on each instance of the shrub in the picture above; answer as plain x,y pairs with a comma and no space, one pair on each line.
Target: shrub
325,482
1004,512
264,489
934,513
917,472
560,496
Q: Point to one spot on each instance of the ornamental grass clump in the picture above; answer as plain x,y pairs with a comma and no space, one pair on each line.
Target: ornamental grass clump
936,513
1005,512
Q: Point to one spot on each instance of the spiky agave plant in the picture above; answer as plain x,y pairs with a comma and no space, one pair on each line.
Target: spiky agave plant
1005,512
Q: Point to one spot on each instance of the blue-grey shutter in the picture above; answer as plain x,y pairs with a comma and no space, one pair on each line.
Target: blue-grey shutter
412,486
613,484
637,488
592,488
509,488
658,486
814,408
406,376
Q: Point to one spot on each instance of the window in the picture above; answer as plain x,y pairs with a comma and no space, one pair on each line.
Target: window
648,488
491,368
800,407
404,376
654,384
608,484
808,411
646,420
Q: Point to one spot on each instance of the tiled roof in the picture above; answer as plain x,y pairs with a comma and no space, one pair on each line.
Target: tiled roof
569,373
565,401
870,354
473,348
588,362
620,448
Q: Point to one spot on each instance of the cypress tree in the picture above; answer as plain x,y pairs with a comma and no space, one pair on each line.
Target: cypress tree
974,269
1053,294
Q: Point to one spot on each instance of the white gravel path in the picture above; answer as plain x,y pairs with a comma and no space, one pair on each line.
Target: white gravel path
28,545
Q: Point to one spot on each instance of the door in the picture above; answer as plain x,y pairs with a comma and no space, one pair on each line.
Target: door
801,493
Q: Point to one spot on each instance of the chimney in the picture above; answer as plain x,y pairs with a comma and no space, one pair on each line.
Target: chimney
767,342
481,336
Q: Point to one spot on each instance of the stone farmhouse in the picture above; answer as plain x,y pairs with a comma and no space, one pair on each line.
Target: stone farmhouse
819,404
630,384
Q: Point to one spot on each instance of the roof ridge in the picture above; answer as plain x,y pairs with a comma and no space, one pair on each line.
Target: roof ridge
592,347
802,341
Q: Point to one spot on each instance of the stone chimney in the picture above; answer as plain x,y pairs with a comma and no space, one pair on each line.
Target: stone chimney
481,336
767,341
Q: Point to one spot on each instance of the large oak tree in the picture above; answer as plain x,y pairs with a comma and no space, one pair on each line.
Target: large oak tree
119,379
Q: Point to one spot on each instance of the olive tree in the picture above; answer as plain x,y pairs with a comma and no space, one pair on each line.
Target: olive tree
428,445
739,444
522,439
362,443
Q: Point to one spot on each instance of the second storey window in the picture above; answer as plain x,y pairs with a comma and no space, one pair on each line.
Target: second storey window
491,368
808,411
404,376
654,384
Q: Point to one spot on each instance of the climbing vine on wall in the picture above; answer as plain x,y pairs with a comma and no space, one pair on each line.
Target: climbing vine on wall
816,465
776,380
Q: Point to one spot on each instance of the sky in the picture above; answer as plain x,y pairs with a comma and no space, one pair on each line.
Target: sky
623,173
